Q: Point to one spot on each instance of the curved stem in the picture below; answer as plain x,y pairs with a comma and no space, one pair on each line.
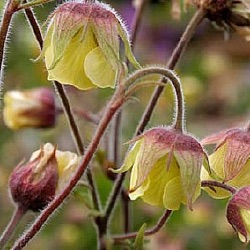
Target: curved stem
115,103
179,119
67,109
17,215
162,221
209,183
177,53
10,9
117,122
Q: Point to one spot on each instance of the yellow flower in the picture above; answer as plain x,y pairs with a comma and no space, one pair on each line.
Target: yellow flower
166,168
31,108
81,47
238,213
230,163
67,163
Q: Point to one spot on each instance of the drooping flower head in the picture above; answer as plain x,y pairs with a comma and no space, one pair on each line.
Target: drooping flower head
229,14
238,213
81,47
166,167
34,184
33,108
230,162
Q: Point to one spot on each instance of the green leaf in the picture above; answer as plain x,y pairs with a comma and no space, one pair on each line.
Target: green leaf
139,240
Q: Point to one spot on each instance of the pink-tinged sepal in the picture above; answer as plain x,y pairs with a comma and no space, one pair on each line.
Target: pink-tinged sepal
238,213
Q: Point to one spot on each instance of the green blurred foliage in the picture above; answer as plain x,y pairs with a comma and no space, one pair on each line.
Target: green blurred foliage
215,76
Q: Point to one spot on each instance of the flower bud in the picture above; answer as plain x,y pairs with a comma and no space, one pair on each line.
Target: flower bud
166,167
231,15
31,108
238,213
81,47
67,162
230,163
33,185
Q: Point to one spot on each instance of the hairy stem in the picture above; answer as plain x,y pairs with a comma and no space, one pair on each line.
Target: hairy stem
168,74
115,103
17,216
177,53
179,123
66,107
212,184
162,221
117,122
10,9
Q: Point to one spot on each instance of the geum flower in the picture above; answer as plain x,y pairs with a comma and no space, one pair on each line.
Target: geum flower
228,14
238,213
81,47
230,162
166,167
35,183
33,108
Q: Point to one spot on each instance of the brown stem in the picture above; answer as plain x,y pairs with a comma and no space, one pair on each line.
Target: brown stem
177,53
218,184
17,216
117,122
113,106
126,210
170,75
10,9
162,221
66,107
34,25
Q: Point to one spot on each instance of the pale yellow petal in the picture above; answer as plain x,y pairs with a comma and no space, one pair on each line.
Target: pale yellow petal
173,195
150,152
129,159
98,69
70,68
154,185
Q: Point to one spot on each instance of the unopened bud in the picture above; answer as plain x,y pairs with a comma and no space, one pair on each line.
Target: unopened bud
33,185
31,108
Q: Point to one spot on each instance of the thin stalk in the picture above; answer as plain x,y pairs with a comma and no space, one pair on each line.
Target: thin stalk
178,124
16,217
168,74
26,5
66,107
126,211
115,103
10,9
117,122
162,221
177,53
212,184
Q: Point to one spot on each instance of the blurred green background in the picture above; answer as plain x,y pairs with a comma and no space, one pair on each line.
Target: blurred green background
215,75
